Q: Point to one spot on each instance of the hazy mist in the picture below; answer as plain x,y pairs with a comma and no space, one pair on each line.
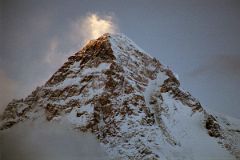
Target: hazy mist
48,141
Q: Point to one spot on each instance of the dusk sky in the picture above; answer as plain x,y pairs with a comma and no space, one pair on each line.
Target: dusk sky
197,39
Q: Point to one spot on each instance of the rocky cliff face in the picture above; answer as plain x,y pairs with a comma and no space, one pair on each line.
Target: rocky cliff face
131,102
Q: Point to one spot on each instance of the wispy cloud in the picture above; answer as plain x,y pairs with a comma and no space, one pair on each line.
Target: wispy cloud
91,27
52,51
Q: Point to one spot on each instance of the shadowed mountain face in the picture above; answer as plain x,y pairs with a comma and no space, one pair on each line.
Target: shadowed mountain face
131,103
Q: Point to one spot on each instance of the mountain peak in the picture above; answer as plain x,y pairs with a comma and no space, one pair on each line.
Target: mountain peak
108,48
118,41
131,102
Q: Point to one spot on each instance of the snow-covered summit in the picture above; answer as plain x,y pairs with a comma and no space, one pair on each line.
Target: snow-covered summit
131,103
120,40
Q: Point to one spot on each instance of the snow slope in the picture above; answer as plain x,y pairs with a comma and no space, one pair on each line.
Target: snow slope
132,104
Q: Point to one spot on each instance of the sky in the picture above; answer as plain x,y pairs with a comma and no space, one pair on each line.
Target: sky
197,39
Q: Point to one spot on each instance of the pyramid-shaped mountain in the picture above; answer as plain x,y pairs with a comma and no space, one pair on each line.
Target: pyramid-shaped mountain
131,103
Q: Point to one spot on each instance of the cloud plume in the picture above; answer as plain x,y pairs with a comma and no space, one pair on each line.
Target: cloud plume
91,27
99,26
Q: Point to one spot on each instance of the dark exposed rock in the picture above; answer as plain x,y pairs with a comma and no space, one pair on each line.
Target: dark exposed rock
52,111
7,125
171,85
212,126
79,114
